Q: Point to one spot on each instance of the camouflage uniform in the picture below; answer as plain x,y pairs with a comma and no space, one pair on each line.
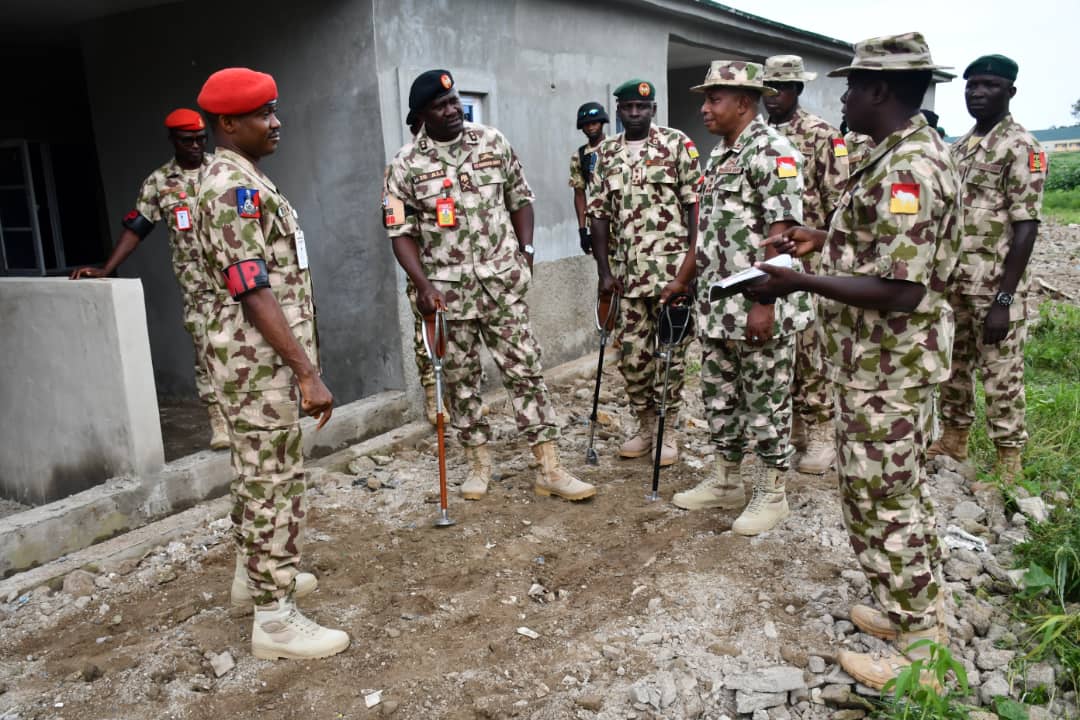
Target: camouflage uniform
747,388
577,176
858,148
1002,176
479,270
898,219
168,189
256,387
643,199
824,176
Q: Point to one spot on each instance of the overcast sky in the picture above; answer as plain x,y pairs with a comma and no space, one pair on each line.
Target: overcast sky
1042,36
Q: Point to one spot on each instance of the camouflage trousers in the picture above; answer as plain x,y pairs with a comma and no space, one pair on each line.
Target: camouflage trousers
268,487
747,394
195,324
423,362
642,370
516,352
811,392
1001,367
881,439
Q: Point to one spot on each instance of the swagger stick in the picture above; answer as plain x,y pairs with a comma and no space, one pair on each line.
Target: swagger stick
607,308
435,344
672,325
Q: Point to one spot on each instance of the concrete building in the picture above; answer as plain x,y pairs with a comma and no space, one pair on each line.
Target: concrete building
91,81
1060,139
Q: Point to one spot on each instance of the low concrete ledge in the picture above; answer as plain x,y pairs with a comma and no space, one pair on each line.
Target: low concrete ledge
42,534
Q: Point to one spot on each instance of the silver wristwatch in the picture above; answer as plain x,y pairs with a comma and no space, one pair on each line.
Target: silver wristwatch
1004,299
528,249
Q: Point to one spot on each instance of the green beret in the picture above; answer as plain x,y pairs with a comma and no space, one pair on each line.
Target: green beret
993,65
636,89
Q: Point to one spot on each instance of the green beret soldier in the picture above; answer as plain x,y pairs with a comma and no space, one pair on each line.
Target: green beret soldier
1002,171
886,333
643,201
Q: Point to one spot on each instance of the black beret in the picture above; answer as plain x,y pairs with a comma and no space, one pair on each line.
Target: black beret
591,112
428,86
993,65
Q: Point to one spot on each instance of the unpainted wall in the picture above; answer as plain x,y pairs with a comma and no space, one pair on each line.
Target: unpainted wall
143,64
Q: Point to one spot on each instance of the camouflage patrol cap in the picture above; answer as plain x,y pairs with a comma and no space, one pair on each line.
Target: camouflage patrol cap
636,89
891,53
786,68
735,73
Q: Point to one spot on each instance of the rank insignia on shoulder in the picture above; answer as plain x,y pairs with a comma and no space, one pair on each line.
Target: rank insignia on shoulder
692,149
1037,162
839,147
247,202
786,167
904,198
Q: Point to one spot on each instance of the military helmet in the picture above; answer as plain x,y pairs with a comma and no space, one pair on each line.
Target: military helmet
591,112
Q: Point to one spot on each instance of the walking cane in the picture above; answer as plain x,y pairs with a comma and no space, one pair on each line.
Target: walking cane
607,308
435,344
672,325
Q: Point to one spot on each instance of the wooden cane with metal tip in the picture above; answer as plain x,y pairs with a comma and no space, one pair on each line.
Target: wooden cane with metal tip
435,344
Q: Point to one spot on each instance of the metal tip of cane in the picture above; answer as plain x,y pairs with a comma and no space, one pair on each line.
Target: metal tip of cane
443,520
653,496
591,458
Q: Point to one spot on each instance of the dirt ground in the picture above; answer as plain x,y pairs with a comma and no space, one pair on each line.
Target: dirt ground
642,610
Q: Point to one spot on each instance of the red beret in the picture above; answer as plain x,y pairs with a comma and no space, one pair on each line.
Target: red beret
237,91
184,119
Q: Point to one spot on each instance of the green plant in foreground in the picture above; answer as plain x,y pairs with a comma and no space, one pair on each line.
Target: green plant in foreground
914,694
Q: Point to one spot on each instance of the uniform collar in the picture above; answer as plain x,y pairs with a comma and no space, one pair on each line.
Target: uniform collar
173,169
795,120
914,124
989,140
448,151
751,131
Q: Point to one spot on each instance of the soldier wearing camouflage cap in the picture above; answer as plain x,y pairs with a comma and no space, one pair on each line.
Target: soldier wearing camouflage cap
886,330
644,199
465,240
824,174
1002,171
261,351
752,188
168,195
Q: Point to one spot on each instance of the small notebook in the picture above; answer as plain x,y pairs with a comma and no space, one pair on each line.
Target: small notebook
733,284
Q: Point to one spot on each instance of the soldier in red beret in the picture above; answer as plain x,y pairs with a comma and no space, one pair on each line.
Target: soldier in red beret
168,195
263,360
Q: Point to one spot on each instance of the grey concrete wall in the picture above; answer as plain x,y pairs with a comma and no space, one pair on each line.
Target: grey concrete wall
329,162
66,426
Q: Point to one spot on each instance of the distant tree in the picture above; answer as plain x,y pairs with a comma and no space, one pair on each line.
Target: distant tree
1076,109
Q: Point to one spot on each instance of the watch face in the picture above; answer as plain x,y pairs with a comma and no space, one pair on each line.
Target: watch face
1005,299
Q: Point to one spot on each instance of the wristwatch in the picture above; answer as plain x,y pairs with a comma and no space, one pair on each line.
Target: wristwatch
530,250
1004,299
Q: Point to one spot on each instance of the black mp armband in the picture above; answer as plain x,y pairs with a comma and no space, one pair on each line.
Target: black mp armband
137,223
246,276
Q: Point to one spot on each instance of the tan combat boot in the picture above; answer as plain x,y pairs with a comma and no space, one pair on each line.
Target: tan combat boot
476,484
430,406
553,479
874,622
219,428
799,437
953,442
282,631
820,454
876,671
241,597
669,452
1008,466
642,442
723,490
767,506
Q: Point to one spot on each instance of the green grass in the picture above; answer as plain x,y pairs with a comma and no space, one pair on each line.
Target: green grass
1061,198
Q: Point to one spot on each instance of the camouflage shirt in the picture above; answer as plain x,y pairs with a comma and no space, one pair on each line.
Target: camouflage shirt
858,148
265,229
577,177
748,186
826,168
643,199
1002,179
165,195
898,219
476,264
